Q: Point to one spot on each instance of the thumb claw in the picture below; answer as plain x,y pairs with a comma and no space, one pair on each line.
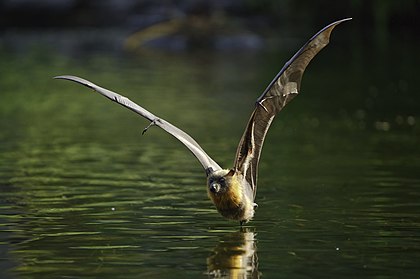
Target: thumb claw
153,122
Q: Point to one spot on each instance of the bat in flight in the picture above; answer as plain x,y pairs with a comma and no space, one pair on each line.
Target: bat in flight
233,190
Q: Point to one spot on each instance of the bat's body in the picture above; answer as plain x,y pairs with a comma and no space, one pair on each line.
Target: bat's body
233,190
232,194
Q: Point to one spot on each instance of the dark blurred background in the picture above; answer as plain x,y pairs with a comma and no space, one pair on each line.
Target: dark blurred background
200,21
384,15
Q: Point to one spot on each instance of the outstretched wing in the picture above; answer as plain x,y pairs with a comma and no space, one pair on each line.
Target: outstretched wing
282,89
208,164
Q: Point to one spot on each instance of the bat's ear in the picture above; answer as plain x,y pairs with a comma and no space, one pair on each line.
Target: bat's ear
231,172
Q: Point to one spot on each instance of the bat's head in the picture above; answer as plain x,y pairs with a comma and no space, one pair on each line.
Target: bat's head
227,194
219,181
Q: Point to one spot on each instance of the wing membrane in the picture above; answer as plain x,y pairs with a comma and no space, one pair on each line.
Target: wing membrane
208,163
281,90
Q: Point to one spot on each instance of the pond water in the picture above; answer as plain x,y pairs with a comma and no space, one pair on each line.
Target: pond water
84,194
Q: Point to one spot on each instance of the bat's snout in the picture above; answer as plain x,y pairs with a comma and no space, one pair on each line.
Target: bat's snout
215,187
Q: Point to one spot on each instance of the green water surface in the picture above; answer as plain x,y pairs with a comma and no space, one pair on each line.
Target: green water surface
85,195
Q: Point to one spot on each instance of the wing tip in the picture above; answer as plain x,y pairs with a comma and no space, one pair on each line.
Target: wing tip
333,24
67,77
342,20
329,28
77,80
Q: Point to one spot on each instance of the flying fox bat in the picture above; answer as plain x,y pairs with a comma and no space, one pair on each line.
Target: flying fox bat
233,190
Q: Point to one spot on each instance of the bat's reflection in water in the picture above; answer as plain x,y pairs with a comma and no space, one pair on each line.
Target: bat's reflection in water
235,256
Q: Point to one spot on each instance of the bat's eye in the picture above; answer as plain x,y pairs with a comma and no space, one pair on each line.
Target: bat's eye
222,180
